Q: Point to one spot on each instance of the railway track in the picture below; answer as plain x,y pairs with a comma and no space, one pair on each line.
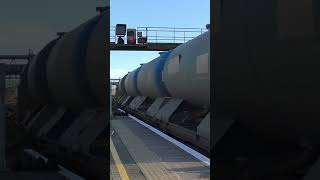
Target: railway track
195,151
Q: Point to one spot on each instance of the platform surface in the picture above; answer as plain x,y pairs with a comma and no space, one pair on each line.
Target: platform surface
138,153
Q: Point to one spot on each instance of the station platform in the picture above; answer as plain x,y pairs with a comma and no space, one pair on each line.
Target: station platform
136,152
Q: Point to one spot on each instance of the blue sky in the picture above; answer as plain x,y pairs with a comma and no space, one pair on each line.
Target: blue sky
146,13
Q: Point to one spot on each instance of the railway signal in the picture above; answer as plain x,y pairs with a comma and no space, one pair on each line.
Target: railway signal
131,36
121,32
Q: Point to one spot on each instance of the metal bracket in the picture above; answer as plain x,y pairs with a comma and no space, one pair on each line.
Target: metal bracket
125,101
40,118
155,107
220,128
203,129
136,102
51,122
168,109
97,124
72,133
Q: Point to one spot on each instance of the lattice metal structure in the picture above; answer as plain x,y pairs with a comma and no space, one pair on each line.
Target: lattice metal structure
115,81
163,34
14,65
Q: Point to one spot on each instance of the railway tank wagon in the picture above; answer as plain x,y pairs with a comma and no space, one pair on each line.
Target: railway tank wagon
130,83
62,96
37,78
266,95
121,85
173,91
187,72
72,86
149,80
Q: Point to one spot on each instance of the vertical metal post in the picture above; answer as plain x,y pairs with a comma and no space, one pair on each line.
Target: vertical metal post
2,120
146,32
111,100
174,35
115,36
184,36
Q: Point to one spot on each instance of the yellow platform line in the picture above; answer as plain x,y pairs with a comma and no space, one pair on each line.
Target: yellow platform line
117,160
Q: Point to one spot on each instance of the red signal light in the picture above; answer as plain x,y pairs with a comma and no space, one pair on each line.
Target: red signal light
132,40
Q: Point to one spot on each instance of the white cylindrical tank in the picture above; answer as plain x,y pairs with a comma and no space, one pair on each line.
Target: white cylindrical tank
121,85
37,77
149,80
67,80
186,73
130,83
96,60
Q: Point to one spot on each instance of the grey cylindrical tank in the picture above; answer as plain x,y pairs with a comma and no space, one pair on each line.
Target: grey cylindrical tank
130,83
121,85
149,77
66,66
96,61
37,78
186,73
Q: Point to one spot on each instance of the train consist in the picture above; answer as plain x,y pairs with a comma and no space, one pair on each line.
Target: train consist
173,92
62,96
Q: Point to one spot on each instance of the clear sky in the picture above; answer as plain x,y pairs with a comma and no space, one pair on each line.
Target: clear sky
156,13
32,24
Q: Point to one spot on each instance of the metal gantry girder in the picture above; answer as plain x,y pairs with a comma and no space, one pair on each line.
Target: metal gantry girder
144,47
157,38
15,68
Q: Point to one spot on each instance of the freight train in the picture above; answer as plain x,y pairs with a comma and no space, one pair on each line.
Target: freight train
62,98
173,92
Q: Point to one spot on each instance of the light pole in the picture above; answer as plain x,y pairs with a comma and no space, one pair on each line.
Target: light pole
2,120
